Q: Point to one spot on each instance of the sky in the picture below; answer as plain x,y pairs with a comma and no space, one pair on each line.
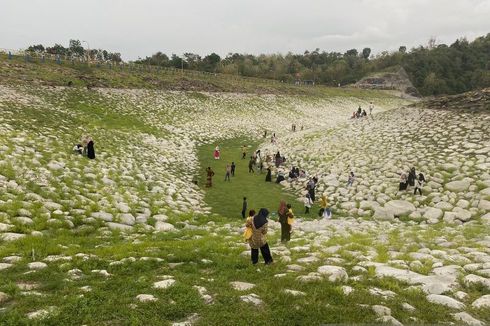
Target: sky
143,27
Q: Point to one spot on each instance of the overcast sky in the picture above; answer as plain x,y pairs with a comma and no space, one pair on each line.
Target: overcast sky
137,28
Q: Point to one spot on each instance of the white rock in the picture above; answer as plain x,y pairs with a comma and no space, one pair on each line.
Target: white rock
242,286
445,301
164,284
37,265
146,298
399,207
467,319
161,226
251,298
334,273
458,186
482,302
380,310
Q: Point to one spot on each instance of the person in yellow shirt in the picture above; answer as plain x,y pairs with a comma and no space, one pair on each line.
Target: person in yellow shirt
325,211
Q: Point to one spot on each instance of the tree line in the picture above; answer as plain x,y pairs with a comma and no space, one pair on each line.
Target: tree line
76,50
433,69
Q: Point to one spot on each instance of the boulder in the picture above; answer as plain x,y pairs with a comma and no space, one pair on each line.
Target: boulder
334,273
161,226
242,286
433,213
399,207
458,186
482,303
445,301
467,319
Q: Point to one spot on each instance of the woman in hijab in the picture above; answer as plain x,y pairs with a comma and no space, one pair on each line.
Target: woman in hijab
258,239
285,230
411,177
90,149
268,177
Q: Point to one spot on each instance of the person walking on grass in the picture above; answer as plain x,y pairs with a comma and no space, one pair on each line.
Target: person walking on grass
258,240
228,172
244,152
209,177
419,184
244,207
283,220
251,165
268,177
308,202
233,166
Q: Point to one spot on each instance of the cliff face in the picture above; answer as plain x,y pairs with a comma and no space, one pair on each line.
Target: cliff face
389,81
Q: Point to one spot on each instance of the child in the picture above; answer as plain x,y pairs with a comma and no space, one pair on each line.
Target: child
308,203
325,210
290,218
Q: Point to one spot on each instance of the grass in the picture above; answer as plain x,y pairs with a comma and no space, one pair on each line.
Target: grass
226,198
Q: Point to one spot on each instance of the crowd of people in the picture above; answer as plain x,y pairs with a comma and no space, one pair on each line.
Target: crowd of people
411,179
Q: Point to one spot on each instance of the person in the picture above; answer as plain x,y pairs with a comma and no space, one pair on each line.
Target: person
194,180
268,177
244,207
265,133
419,184
283,220
244,152
258,240
353,115
90,149
248,229
351,179
233,166
251,165
216,153
371,107
78,148
308,203
359,111
280,177
278,159
310,187
290,219
209,177
325,211
228,172
364,113
412,176
261,166
403,182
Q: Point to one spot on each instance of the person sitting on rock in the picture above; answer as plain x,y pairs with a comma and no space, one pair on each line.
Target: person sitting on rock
419,184
364,113
258,240
280,177
78,148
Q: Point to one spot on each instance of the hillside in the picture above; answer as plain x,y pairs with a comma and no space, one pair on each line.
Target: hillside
128,238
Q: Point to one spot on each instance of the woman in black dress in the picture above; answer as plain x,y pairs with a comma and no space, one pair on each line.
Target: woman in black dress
268,177
90,150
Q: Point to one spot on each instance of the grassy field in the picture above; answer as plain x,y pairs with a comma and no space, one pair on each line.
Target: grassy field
226,198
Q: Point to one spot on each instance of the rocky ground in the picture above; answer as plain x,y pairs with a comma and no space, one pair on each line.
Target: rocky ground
126,239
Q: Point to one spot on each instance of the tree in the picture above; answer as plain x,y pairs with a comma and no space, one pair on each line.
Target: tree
402,49
366,52
36,48
351,53
76,48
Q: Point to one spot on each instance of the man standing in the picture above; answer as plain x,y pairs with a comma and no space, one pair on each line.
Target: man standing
233,166
244,207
